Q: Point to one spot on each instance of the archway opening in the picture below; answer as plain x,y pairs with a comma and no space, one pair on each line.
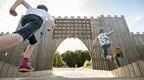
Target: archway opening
72,44
72,53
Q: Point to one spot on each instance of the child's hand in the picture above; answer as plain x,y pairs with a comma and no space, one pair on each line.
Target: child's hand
112,31
13,12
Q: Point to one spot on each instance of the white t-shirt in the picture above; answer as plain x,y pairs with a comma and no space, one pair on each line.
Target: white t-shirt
43,14
103,38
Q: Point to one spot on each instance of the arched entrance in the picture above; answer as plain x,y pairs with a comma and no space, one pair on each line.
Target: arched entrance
71,53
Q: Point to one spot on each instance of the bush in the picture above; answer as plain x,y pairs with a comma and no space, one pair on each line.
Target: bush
87,63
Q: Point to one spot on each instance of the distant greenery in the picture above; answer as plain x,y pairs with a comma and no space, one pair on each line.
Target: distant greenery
88,64
71,58
57,61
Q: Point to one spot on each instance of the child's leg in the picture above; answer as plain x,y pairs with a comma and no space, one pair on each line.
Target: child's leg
29,49
28,52
10,40
25,66
105,50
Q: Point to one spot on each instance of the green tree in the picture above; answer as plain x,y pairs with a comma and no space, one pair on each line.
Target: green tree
69,58
88,63
58,61
77,57
82,57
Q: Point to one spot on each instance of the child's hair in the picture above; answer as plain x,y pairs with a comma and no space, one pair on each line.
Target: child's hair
118,52
101,30
41,6
117,48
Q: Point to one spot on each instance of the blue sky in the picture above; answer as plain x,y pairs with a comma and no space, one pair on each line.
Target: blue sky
133,10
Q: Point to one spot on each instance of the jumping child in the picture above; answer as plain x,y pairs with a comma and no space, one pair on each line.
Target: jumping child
31,22
104,41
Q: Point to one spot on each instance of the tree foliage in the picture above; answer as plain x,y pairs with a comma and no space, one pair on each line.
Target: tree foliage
77,57
58,61
88,63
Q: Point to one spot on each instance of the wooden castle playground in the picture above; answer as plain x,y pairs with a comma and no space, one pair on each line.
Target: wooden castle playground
85,29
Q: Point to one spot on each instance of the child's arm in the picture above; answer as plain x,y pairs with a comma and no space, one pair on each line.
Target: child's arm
14,6
109,34
26,4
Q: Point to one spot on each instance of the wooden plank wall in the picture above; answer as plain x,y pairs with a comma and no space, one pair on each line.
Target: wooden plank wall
138,40
135,69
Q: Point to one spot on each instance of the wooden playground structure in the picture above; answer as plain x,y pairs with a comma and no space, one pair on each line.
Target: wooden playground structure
85,29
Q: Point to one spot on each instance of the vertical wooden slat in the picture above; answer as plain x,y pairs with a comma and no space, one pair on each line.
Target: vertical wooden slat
15,71
141,66
114,72
119,72
10,71
131,69
137,69
139,42
1,68
126,70
4,70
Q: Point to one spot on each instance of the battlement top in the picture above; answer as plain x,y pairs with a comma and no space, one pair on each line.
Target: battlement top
137,32
2,33
88,17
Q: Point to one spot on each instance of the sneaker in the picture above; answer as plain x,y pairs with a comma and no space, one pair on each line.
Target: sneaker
25,66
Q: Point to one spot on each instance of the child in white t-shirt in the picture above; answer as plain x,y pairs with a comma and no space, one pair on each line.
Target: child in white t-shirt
104,41
31,22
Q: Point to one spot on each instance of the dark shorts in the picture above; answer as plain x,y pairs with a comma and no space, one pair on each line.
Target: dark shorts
30,23
32,39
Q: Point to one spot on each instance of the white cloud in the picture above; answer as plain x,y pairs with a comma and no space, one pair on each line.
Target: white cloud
139,18
136,23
